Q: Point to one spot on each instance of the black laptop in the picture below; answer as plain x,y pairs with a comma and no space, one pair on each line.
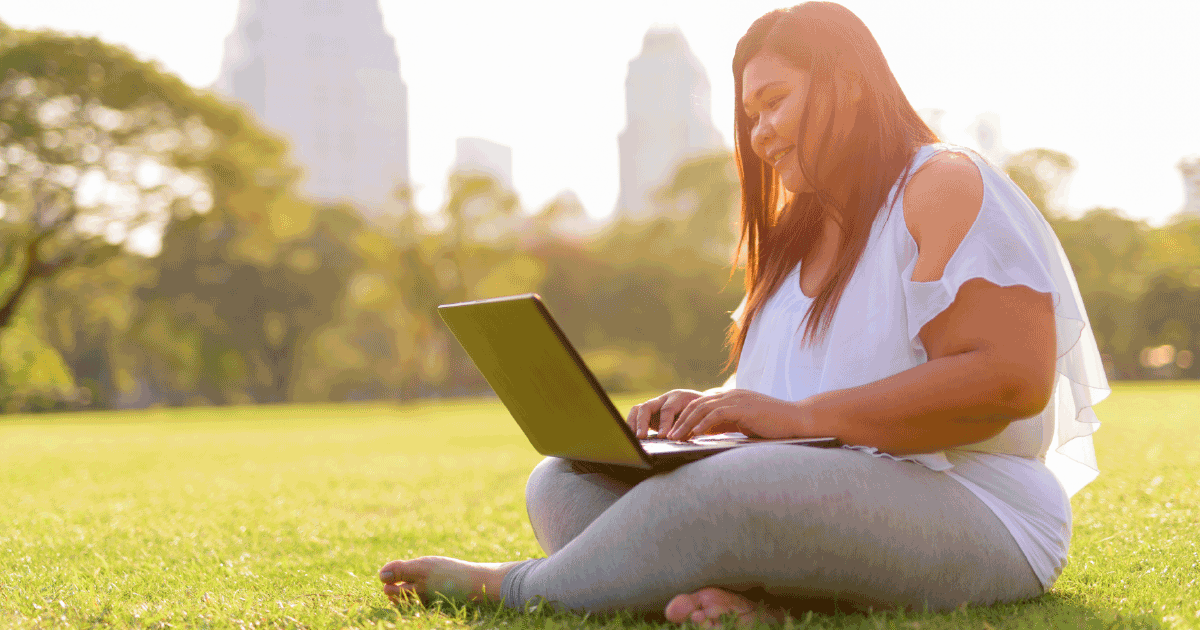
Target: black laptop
556,399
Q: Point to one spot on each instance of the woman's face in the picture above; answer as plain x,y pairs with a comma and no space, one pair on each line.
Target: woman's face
774,94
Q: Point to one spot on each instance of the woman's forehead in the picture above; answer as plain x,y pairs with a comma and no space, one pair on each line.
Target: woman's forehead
764,70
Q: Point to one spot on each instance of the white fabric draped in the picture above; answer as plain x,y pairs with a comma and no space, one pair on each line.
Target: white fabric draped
874,332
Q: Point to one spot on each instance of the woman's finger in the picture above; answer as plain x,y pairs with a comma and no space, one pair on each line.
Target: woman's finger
693,407
667,415
714,417
635,419
645,416
692,414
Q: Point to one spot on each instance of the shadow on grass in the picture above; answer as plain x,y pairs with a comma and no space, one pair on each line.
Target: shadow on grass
1049,611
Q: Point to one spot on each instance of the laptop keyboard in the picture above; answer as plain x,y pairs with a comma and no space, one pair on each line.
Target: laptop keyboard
659,438
708,439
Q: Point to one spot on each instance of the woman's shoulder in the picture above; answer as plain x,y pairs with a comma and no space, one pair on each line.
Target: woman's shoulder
941,201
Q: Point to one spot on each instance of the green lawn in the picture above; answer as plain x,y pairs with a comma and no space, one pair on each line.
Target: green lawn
280,516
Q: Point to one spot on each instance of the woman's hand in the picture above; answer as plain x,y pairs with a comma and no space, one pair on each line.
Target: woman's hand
752,413
659,413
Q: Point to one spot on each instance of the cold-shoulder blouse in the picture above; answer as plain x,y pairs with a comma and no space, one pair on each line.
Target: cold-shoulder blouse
1027,472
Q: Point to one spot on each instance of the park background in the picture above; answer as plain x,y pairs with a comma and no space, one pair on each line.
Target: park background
209,508
159,248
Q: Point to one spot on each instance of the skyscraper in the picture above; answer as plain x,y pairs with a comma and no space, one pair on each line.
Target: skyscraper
1191,184
476,155
325,73
668,109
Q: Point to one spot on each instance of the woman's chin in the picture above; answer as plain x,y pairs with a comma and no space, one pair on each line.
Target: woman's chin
795,185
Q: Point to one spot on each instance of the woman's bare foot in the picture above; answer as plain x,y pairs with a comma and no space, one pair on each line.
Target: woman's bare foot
706,606
425,577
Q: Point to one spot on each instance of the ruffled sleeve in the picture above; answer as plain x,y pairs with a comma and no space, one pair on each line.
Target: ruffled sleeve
1010,244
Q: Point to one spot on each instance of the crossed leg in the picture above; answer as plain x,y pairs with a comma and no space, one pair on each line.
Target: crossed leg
796,523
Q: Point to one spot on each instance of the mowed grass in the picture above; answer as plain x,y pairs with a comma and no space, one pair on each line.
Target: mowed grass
280,517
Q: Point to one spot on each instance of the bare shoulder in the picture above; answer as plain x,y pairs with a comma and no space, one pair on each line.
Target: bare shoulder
941,201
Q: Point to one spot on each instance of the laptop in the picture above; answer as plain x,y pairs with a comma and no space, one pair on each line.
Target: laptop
556,399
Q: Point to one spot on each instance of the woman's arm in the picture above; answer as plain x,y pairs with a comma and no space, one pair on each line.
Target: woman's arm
991,354
991,361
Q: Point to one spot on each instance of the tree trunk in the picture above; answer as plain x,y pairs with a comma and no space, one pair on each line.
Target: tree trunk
28,275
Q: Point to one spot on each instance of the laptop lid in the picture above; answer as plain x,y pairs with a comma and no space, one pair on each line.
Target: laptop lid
542,380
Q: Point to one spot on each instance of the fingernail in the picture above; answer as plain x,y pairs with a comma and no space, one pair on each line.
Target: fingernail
387,575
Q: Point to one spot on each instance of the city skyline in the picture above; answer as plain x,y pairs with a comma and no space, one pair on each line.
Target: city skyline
529,76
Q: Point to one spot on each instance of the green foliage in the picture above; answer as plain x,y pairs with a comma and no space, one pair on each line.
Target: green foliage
101,152
1139,284
236,325
279,516
1041,173
704,195
33,376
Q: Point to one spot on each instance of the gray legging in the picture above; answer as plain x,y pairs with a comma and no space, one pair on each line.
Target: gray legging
795,526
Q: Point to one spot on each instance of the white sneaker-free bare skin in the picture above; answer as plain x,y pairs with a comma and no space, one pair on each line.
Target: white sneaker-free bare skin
480,581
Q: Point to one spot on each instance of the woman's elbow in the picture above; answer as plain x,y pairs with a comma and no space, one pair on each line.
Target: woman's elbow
1025,390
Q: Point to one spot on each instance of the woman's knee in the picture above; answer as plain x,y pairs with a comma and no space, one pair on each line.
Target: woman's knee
544,479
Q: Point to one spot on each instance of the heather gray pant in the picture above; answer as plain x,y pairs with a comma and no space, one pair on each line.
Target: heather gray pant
794,526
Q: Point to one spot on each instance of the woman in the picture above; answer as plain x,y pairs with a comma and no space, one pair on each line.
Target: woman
903,296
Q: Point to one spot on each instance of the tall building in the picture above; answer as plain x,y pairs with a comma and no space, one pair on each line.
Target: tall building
1190,167
476,155
668,110
325,73
985,131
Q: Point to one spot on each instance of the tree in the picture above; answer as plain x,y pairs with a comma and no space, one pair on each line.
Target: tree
98,153
1170,312
106,156
703,195
219,326
1042,174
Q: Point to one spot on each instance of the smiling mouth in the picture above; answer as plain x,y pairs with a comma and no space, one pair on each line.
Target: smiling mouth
777,157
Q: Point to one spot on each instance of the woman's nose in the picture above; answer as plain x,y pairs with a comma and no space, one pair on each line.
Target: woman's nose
760,134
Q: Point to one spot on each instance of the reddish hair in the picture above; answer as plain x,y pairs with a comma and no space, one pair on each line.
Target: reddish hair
778,229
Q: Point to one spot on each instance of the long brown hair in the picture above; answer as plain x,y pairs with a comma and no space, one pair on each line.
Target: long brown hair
778,229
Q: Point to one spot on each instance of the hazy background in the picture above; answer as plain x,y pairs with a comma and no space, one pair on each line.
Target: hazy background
1111,84
157,246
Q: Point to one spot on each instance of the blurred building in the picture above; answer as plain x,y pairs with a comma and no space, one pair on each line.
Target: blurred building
476,155
668,109
1190,167
325,73
985,132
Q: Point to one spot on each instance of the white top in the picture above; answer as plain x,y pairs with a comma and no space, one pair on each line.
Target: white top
1027,472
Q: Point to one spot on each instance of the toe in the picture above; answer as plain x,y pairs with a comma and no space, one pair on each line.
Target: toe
390,572
408,570
723,600
681,607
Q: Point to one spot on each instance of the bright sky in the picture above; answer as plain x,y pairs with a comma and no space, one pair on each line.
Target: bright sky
1105,82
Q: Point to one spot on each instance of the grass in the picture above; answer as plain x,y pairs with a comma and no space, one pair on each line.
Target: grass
280,517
